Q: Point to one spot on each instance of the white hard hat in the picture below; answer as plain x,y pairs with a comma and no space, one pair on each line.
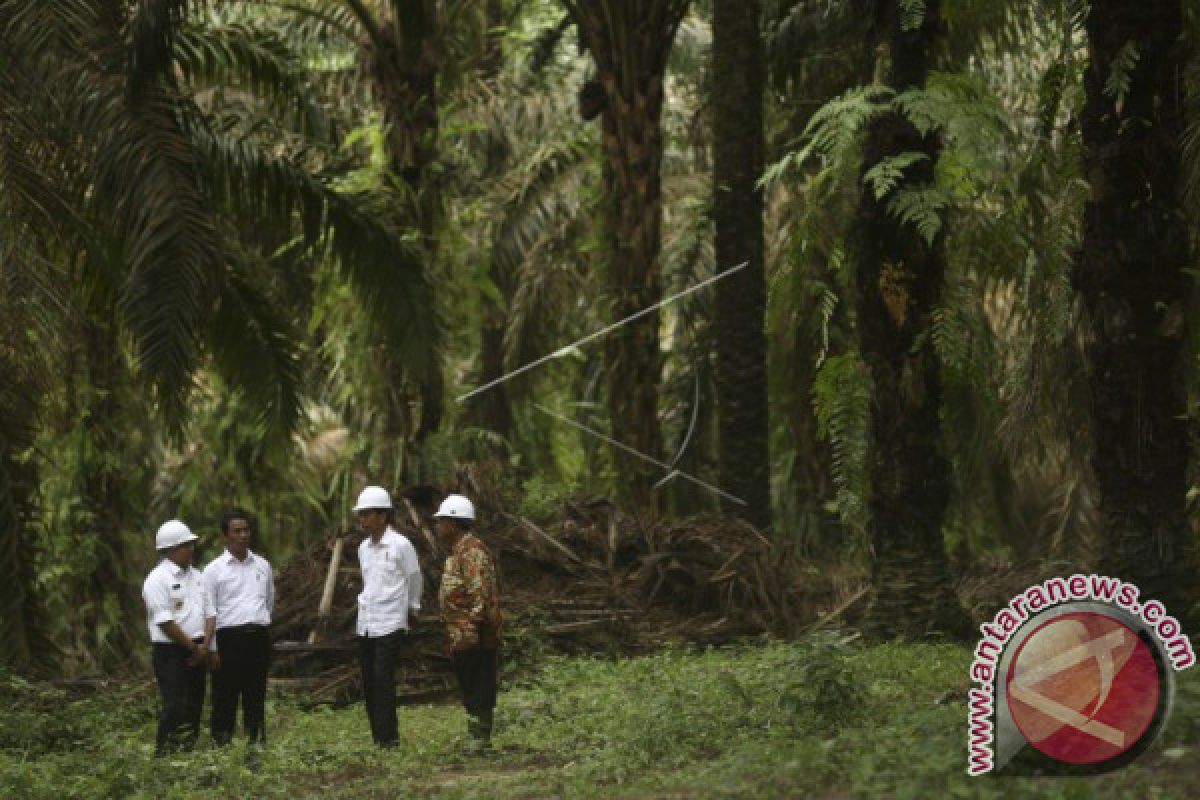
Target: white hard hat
455,506
171,534
373,497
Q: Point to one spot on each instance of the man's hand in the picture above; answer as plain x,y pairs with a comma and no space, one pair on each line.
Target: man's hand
197,657
214,661
465,639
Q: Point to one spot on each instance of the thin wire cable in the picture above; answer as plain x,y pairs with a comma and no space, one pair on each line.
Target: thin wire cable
671,471
562,351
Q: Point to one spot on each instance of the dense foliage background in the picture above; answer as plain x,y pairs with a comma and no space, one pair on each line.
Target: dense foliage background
254,253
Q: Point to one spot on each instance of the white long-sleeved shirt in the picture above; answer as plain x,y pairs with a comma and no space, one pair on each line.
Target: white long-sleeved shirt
391,584
240,592
175,594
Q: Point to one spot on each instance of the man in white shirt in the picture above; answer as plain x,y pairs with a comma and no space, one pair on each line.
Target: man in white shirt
177,613
391,590
241,589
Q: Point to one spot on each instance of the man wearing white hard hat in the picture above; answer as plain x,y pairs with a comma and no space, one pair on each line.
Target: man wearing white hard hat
470,601
391,591
177,616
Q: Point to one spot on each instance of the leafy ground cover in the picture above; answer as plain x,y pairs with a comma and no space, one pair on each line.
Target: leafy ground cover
816,718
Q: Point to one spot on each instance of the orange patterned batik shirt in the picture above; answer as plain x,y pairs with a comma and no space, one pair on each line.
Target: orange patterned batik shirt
470,597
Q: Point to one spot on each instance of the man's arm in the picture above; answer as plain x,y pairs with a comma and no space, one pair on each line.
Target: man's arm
209,583
477,569
270,589
175,634
158,606
463,609
210,636
413,568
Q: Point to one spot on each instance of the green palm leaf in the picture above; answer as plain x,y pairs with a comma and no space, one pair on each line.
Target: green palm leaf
242,56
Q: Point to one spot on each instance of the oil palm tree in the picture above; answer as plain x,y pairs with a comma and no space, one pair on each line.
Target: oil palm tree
630,42
147,204
738,82
1132,277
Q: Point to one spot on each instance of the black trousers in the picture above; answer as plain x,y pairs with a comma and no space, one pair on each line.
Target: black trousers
181,695
476,672
245,652
379,655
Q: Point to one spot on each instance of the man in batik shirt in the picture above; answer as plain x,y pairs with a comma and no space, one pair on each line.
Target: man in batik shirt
470,603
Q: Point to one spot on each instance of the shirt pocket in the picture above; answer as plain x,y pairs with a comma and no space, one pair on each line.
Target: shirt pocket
381,572
177,599
391,571
261,581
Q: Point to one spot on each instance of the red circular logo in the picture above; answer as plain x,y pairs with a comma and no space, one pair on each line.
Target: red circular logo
1083,688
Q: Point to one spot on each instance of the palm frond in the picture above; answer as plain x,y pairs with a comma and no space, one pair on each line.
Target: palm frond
543,47
253,347
544,191
842,401
260,61
549,300
145,182
34,178
384,266
315,22
150,43
37,27
808,40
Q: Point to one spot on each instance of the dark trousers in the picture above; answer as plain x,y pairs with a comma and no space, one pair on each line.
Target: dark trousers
476,672
245,652
379,655
181,694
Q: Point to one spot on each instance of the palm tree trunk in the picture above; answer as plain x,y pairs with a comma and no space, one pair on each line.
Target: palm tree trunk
106,485
629,43
1130,277
898,279
495,412
404,67
738,77
23,641
632,213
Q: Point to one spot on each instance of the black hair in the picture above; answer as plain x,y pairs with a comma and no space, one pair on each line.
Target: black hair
389,514
235,513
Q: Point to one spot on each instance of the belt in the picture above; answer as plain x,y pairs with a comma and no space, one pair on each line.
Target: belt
249,627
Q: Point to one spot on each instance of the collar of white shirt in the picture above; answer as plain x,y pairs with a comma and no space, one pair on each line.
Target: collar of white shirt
230,558
388,536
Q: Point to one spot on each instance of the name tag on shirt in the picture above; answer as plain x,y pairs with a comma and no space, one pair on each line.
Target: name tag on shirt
177,601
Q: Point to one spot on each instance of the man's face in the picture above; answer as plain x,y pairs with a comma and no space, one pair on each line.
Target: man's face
372,521
445,530
182,554
237,537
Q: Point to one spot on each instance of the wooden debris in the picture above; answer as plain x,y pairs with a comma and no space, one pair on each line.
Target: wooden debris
591,576
335,561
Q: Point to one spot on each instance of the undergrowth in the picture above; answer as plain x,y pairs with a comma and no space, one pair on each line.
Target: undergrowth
822,717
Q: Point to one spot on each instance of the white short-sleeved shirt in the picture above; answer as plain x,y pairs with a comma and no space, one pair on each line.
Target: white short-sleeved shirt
391,584
240,592
173,593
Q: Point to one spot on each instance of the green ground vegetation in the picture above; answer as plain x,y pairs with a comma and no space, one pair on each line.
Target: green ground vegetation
822,717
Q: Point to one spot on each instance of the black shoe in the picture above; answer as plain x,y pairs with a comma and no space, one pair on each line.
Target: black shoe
479,729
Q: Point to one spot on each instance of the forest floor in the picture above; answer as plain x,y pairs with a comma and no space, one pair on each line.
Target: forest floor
821,717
